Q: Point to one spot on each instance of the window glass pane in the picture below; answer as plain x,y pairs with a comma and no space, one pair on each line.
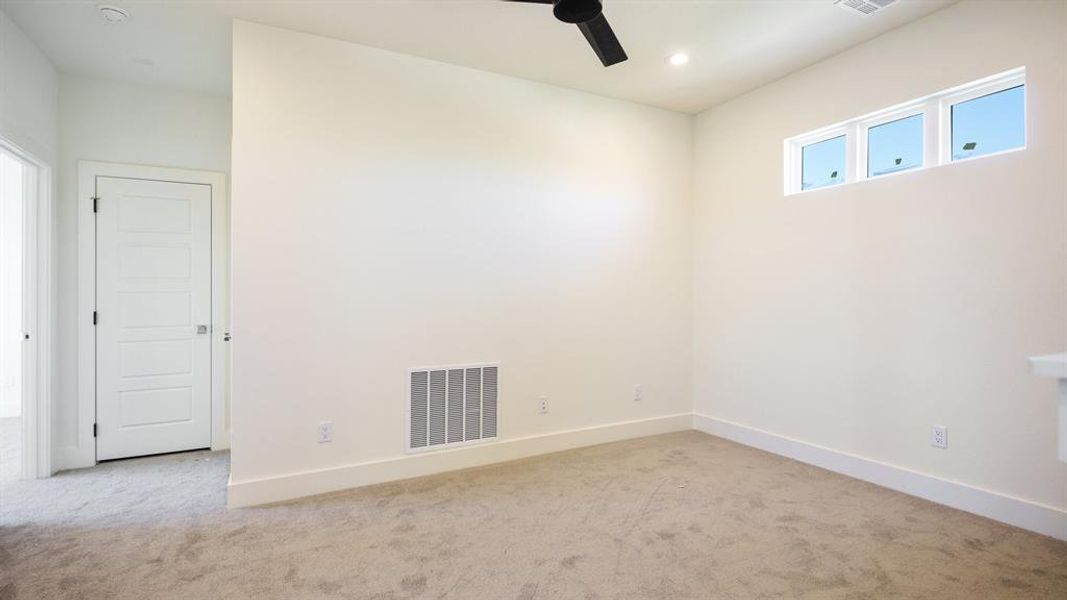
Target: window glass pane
895,146
988,124
823,163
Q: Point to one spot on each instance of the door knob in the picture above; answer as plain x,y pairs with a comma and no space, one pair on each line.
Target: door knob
201,329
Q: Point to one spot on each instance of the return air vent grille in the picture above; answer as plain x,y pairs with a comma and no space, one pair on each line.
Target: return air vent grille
864,7
451,405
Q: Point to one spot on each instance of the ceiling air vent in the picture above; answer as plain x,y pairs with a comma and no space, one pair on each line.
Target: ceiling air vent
449,406
864,7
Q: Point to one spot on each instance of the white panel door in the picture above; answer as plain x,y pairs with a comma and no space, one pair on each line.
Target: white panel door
153,303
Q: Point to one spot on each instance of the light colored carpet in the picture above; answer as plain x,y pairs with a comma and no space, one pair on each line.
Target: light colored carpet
681,515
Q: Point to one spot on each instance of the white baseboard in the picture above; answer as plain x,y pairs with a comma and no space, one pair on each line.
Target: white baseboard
1028,515
220,440
309,483
66,458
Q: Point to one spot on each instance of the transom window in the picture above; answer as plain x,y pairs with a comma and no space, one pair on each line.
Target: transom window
988,124
895,146
823,163
978,119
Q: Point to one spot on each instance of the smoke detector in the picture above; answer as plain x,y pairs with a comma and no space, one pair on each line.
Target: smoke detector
863,7
113,14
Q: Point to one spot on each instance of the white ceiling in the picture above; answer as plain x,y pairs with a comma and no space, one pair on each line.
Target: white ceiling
735,45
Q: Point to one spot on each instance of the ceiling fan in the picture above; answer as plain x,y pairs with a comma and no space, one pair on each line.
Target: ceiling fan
588,15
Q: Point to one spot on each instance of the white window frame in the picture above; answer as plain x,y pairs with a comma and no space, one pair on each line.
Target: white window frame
937,132
795,156
928,111
1001,83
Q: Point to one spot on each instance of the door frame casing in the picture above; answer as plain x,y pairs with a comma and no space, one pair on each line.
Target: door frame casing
88,172
38,317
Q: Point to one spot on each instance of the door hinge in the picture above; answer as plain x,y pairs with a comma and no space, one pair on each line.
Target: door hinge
94,429
94,317
96,204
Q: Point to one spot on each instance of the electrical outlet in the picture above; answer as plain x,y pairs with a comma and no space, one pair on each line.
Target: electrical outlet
325,432
542,405
939,436
637,393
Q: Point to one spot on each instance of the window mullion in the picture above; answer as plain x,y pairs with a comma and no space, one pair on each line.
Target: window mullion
858,131
933,142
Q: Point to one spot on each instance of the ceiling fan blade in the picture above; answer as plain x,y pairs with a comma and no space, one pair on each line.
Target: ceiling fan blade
603,40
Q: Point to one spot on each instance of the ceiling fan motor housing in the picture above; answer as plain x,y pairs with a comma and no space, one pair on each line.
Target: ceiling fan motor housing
576,11
588,15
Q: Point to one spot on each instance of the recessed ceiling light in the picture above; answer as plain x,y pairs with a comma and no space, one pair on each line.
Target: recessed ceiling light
113,14
678,59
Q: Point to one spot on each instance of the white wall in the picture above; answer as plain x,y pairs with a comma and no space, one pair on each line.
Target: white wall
855,317
392,212
29,96
117,122
29,92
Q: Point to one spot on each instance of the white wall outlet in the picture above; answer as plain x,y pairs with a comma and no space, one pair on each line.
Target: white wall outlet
637,393
542,405
325,432
939,436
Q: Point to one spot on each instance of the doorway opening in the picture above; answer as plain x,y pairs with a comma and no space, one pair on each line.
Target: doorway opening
23,283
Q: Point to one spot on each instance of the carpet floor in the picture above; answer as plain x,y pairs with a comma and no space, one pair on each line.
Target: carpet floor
681,515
